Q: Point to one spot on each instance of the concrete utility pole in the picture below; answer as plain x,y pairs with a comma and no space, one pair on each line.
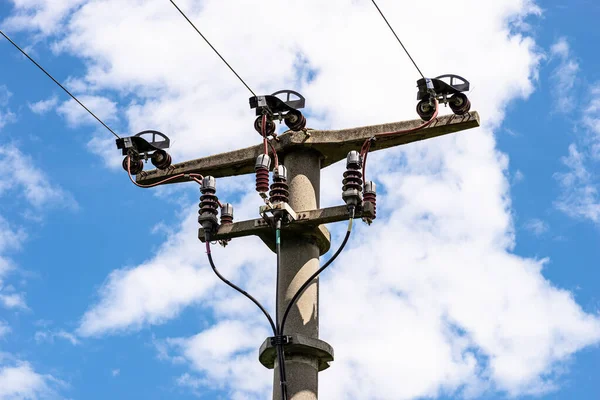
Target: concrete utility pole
304,240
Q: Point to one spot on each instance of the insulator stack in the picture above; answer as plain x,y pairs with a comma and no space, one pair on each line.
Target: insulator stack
135,166
371,196
280,192
352,183
209,202
226,214
353,175
263,163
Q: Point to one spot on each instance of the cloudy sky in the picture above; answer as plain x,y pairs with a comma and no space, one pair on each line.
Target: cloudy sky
479,278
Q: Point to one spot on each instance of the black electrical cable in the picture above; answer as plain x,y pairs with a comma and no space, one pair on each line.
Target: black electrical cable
212,264
399,41
211,46
313,276
58,83
280,353
274,328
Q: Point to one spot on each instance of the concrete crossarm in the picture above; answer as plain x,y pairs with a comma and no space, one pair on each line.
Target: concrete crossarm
333,145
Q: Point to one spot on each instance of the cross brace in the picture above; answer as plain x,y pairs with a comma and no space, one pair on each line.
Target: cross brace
333,145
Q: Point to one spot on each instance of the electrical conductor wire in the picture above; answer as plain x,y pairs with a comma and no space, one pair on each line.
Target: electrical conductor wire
212,47
318,272
58,83
397,38
280,353
235,287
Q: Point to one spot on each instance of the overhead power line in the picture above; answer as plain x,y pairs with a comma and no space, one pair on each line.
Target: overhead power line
397,38
212,47
58,83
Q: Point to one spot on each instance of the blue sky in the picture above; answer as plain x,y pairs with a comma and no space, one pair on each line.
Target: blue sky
487,240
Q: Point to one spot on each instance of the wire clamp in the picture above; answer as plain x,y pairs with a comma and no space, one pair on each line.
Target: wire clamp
280,340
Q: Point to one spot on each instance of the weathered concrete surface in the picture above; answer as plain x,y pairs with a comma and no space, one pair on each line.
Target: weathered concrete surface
333,145
299,260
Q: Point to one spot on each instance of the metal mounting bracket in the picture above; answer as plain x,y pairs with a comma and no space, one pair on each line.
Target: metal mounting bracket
297,345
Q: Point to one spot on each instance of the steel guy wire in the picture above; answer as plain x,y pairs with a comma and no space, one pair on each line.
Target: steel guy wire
58,83
397,38
212,47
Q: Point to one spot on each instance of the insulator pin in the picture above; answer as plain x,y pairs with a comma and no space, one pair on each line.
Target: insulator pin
281,172
226,214
353,160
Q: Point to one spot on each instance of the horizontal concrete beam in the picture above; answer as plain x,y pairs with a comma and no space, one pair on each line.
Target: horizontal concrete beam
333,145
309,223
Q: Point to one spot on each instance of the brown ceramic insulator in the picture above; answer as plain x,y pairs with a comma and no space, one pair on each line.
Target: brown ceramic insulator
279,191
161,159
270,129
226,219
352,180
297,122
459,104
135,166
262,180
425,110
209,202
371,198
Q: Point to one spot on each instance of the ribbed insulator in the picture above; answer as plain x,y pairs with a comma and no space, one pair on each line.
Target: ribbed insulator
279,191
352,180
226,214
262,180
209,202
371,196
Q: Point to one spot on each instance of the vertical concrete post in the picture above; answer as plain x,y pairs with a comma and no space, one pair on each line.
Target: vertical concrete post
299,260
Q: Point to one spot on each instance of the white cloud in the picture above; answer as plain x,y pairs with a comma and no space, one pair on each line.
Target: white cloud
442,305
13,300
591,121
43,106
76,115
580,184
536,226
158,289
4,329
115,372
580,197
564,77
31,181
10,239
6,116
20,381
39,14
49,336
228,340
